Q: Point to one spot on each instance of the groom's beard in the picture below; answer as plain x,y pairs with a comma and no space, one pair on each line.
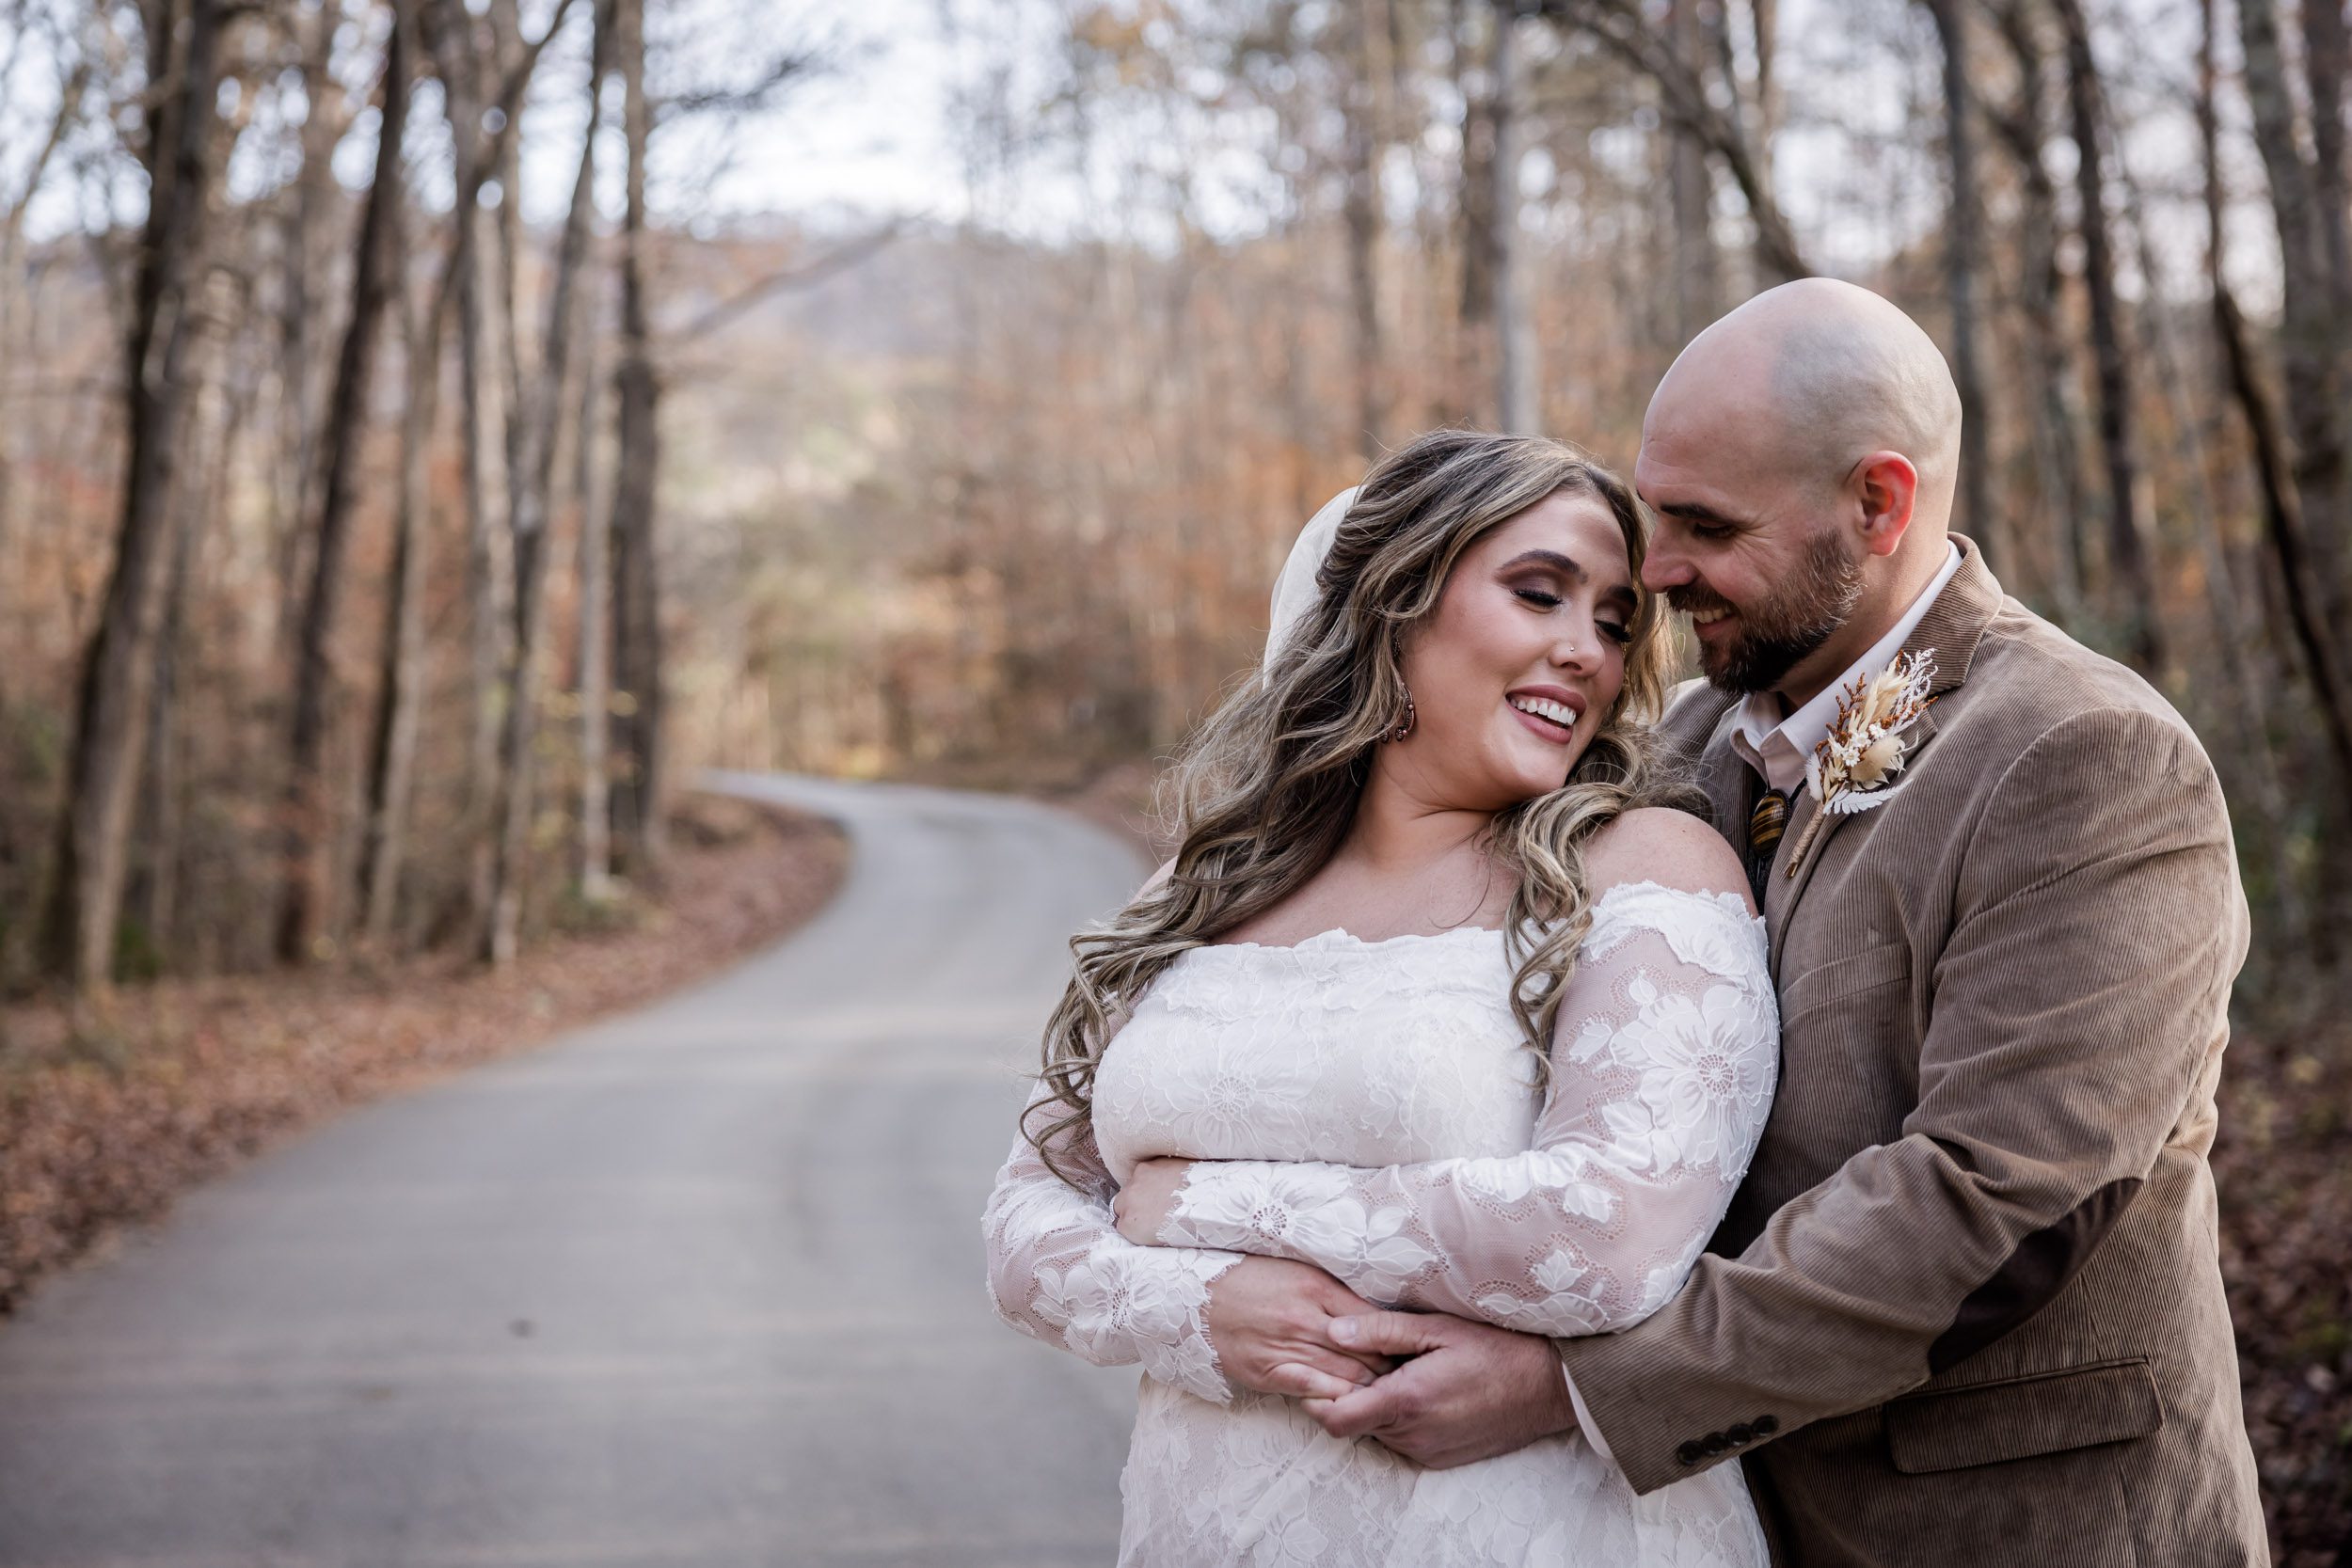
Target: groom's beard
1817,598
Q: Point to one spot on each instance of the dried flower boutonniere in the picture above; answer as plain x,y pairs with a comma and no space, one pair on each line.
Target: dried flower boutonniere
1854,768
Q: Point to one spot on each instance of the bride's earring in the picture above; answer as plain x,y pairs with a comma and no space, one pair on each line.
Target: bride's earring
1405,726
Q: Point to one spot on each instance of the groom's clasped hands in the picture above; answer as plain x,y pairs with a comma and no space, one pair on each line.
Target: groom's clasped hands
1440,1391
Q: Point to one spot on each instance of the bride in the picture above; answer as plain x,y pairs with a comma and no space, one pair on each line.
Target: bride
1436,1009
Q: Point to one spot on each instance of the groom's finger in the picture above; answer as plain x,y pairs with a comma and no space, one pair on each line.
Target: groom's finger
1389,1333
1359,1412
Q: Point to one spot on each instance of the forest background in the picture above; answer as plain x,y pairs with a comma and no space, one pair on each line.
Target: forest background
430,429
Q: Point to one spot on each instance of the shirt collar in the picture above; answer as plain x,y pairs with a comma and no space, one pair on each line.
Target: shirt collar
1776,747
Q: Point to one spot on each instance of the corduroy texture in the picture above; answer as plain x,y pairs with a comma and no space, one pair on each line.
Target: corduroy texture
2004,999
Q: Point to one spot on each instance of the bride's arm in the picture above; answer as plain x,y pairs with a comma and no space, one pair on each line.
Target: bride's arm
1058,1271
1662,1066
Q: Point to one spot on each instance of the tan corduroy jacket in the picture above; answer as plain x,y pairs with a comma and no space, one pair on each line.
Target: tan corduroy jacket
1966,1308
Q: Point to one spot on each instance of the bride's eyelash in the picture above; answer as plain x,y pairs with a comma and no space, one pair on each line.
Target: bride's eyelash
1616,633
1537,596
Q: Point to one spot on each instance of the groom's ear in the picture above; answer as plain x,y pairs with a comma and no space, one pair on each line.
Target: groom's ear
1885,486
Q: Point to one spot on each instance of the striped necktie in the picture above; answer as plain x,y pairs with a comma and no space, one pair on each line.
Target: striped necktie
1766,823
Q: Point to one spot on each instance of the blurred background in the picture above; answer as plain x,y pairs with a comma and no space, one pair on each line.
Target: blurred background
434,430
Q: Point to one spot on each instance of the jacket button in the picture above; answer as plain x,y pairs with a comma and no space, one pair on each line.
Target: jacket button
1741,1433
1716,1443
1764,1426
1690,1453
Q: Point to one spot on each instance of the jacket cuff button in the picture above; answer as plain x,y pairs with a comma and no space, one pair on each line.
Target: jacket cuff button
1716,1443
1764,1426
1690,1453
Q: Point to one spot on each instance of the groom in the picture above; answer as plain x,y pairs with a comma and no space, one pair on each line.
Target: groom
1967,1307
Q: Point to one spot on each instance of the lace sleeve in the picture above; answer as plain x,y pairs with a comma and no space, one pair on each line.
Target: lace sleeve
1662,1066
1059,1271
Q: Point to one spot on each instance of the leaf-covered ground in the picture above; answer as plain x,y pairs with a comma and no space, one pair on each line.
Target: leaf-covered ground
104,1117
2283,1160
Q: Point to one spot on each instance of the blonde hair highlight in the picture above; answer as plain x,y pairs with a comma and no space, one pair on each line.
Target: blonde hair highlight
1265,790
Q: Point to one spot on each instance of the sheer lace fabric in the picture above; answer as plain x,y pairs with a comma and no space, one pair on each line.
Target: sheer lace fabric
1374,1112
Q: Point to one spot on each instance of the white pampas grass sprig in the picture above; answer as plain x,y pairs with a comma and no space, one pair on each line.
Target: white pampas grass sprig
1854,767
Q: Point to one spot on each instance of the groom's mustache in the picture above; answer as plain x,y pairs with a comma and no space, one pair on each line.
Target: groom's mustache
1692,597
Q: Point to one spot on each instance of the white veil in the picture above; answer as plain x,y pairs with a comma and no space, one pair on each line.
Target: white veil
1295,591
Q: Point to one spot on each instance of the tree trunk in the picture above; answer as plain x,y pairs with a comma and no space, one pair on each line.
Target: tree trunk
118,667
1698,282
641,830
312,202
512,820
302,909
1476,85
400,689
484,415
1972,511
1360,215
1518,399
2056,458
2312,325
2132,588
595,637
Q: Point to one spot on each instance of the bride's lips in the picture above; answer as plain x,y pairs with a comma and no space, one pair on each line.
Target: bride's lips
1543,725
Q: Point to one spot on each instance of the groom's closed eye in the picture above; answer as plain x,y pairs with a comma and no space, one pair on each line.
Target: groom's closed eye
1705,522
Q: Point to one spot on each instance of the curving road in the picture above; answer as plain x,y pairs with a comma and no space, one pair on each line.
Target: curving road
699,1285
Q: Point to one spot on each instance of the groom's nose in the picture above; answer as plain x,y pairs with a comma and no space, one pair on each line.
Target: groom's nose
1665,565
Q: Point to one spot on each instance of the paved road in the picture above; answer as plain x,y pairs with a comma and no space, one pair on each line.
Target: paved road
701,1285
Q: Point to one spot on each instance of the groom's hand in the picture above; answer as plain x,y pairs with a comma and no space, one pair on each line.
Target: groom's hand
1470,1392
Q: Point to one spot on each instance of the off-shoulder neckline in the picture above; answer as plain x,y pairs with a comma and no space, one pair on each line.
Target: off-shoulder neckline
1340,938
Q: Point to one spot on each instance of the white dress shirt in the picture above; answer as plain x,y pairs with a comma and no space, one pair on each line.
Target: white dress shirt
1777,748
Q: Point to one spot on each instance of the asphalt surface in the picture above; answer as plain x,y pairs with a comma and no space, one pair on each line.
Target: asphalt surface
699,1285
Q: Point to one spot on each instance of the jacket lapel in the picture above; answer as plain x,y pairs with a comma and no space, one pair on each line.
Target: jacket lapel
1950,630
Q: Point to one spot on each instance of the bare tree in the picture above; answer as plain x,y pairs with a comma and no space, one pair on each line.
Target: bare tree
1360,210
118,668
2132,596
2022,130
1519,400
2281,499
2314,309
641,833
1698,280
303,910
1624,31
1962,267
544,417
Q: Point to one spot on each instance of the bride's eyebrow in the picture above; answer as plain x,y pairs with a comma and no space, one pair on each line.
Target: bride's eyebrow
1566,566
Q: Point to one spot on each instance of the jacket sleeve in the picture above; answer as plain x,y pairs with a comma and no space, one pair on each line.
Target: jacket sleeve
1661,1073
1059,1271
2096,926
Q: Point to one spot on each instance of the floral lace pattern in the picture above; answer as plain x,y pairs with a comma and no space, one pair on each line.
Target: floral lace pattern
1658,1099
1371,1111
1059,1271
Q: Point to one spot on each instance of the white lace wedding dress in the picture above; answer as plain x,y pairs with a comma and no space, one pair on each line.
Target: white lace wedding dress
1374,1112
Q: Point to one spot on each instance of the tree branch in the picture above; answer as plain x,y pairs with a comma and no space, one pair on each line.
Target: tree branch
834,261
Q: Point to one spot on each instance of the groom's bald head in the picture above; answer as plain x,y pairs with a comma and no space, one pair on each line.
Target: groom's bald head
1802,454
1813,376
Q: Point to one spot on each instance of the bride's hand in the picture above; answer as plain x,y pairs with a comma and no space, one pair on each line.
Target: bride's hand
1140,1207
1269,1321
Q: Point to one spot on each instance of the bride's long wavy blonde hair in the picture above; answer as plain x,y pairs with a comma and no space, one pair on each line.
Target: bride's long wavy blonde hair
1265,792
